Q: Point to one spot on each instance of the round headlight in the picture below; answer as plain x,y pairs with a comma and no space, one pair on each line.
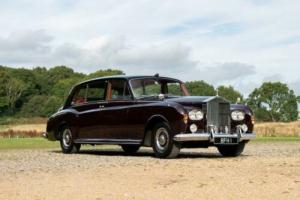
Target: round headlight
193,128
199,115
192,115
196,115
237,115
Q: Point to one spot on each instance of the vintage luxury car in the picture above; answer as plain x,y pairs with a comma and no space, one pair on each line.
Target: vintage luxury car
152,111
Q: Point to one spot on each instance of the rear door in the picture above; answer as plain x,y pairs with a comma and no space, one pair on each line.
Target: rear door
88,101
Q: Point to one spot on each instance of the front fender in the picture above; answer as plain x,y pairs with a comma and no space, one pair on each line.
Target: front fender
249,121
59,119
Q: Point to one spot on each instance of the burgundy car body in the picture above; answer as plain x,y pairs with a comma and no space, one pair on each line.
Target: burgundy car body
131,120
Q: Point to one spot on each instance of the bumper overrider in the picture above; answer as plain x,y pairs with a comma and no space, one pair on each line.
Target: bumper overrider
216,138
49,136
45,135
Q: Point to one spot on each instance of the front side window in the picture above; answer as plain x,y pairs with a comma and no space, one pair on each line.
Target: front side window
174,89
144,88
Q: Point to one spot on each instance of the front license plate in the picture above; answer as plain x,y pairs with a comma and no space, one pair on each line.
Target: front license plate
225,140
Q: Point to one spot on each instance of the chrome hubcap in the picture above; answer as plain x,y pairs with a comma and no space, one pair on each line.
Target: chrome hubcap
67,138
161,139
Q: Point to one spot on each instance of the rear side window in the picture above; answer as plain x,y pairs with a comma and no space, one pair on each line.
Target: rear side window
91,92
119,90
79,96
96,91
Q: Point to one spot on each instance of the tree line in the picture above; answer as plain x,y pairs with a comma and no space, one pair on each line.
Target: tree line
39,92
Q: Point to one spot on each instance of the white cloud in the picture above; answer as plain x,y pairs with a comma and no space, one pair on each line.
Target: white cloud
295,86
273,78
24,47
231,42
227,71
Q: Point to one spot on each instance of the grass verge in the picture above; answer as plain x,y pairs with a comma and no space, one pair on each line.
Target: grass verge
26,143
277,139
41,143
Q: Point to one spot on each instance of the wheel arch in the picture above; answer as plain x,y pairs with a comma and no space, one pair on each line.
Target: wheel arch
62,120
59,129
151,122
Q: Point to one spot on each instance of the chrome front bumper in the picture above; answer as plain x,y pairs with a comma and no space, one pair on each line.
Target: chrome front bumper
210,137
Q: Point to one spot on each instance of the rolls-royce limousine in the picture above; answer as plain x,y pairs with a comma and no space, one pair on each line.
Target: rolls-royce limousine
151,111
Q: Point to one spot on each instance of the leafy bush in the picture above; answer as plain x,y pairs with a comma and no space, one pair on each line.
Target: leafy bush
41,105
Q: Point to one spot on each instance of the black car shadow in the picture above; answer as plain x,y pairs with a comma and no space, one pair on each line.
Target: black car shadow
148,153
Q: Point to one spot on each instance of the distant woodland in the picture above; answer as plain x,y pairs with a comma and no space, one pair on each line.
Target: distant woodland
39,92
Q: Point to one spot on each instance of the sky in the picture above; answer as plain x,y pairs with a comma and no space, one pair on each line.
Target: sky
234,42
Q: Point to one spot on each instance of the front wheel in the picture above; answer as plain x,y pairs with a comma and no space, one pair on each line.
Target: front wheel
66,141
231,150
162,142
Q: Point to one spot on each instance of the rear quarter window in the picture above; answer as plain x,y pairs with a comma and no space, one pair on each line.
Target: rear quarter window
91,92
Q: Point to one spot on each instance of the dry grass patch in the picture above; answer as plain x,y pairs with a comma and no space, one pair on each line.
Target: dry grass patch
24,130
273,129
15,134
24,127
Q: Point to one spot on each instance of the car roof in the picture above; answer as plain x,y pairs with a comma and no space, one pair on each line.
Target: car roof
126,78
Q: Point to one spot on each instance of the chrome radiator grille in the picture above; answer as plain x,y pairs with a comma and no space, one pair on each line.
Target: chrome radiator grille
217,115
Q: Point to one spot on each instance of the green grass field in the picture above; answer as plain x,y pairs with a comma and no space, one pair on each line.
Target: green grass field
277,139
41,143
26,143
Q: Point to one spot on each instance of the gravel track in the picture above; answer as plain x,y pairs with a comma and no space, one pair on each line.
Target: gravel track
269,170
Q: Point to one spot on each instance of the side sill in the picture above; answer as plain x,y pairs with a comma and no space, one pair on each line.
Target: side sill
108,141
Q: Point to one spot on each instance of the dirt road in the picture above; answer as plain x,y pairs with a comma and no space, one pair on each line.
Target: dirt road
264,171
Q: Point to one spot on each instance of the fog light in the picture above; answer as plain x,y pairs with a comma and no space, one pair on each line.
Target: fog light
252,119
244,128
193,128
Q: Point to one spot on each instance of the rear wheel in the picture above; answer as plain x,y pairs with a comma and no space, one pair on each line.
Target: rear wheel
66,141
130,149
231,150
162,142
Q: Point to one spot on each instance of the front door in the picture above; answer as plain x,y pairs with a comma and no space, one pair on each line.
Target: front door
118,100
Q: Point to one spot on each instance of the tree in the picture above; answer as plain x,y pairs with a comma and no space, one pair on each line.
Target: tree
3,98
43,80
41,106
229,93
47,79
13,91
62,88
28,83
200,88
60,72
274,102
106,72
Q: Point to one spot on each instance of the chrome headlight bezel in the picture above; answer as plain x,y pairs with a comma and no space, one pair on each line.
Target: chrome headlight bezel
238,115
196,115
